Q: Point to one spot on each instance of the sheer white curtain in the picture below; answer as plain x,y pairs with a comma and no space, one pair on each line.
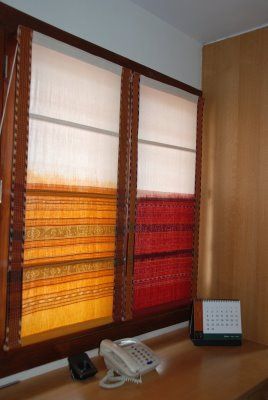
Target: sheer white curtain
167,139
74,116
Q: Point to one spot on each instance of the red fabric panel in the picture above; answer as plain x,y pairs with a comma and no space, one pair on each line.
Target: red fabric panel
163,251
152,242
169,210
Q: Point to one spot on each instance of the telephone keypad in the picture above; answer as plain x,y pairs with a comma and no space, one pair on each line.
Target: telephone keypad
141,355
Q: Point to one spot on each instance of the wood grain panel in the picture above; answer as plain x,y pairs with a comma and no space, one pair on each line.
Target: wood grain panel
234,229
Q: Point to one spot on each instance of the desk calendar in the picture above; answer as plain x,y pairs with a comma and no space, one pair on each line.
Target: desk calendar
216,322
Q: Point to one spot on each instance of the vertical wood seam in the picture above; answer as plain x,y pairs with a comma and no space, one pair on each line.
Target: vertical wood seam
198,171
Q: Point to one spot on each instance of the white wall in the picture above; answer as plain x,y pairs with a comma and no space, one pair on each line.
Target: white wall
125,28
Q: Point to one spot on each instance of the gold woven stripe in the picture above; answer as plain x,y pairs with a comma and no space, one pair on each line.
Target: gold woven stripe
74,231
69,279
53,271
33,200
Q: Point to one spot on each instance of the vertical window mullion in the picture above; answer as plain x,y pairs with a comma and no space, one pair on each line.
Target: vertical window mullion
122,196
18,188
127,190
132,191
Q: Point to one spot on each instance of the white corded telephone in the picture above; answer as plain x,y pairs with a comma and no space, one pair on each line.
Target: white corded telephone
126,360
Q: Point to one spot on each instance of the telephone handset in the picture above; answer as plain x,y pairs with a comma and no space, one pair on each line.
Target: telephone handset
126,360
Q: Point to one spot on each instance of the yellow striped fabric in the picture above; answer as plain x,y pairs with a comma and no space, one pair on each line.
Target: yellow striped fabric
68,275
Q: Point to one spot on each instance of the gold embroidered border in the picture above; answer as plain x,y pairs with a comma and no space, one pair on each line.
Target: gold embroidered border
54,232
53,271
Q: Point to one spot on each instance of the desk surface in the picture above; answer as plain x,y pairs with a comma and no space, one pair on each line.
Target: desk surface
186,372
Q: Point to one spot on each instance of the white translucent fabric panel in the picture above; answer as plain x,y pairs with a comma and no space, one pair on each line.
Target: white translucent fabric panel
72,85
162,169
167,114
66,155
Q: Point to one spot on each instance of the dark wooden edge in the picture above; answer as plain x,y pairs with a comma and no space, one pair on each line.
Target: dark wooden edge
33,355
2,169
11,18
5,175
3,165
122,196
198,171
132,191
18,189
2,62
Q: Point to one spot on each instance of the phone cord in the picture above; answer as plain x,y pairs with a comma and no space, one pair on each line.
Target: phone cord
111,380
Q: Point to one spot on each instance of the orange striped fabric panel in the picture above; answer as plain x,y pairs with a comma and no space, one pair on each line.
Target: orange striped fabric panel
68,275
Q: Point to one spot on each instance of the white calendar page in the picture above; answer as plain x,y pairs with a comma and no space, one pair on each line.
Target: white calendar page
222,316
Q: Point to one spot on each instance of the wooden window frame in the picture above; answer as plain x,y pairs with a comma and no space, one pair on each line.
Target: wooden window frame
26,357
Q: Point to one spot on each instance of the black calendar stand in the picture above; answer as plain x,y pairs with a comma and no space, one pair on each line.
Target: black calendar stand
197,337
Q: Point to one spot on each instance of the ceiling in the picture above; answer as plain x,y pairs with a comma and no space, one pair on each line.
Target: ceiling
209,20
